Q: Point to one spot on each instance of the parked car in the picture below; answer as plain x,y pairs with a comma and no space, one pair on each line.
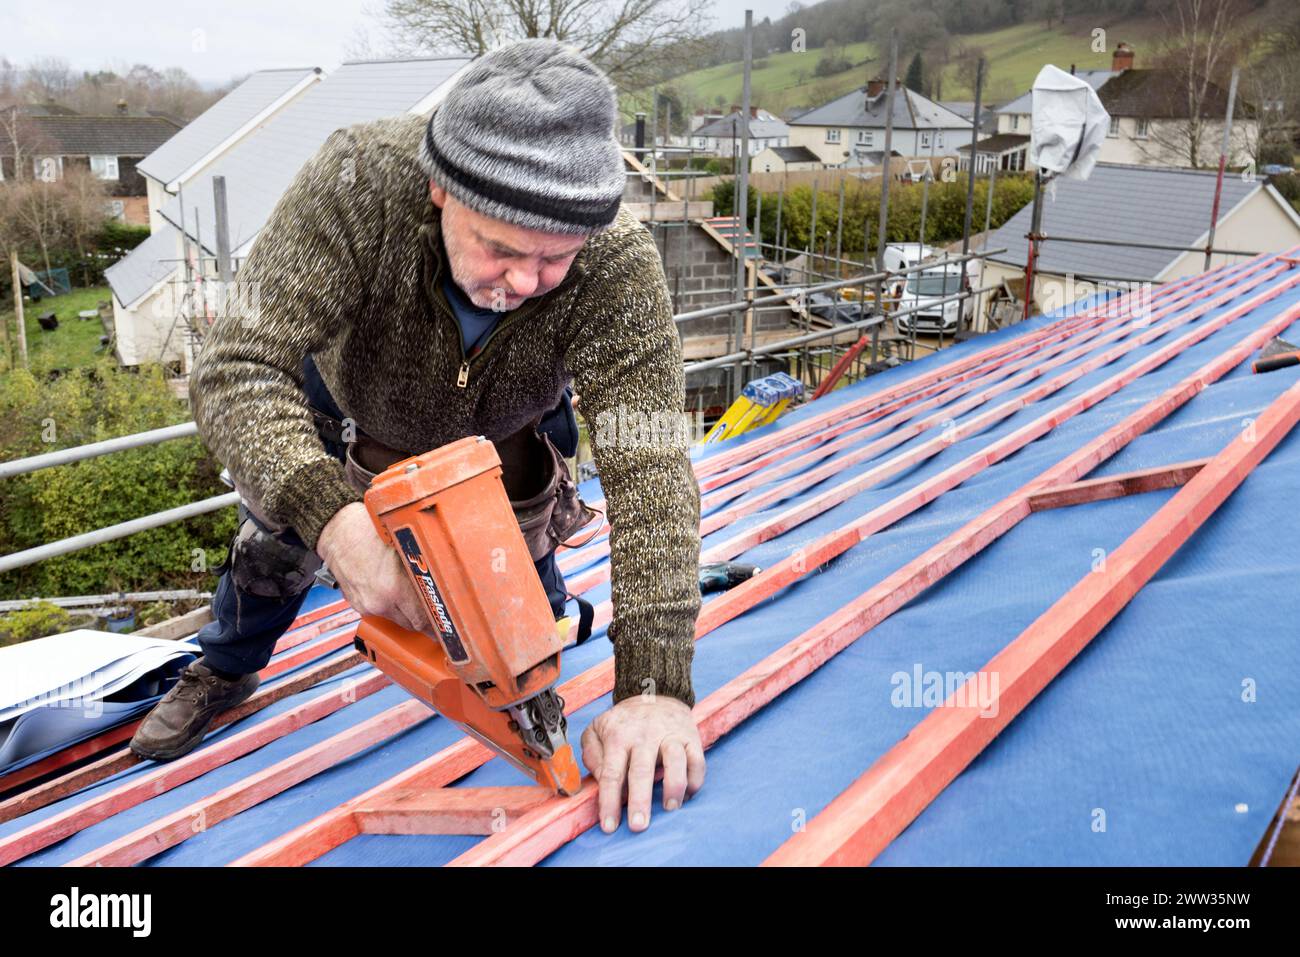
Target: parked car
1275,169
925,292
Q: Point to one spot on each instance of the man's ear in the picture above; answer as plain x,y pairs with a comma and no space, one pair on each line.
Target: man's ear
437,194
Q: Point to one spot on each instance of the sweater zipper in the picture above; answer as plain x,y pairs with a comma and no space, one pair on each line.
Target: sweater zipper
462,378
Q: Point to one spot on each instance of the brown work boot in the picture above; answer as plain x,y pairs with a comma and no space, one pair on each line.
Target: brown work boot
178,722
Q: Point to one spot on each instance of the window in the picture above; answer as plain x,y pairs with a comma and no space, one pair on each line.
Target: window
1114,126
939,138
866,138
1015,121
1143,129
832,136
104,167
116,209
934,283
48,169
925,141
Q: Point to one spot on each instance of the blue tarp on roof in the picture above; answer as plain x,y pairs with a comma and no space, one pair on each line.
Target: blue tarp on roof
1147,731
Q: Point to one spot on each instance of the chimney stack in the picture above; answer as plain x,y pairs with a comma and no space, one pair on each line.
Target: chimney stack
875,87
1122,58
121,107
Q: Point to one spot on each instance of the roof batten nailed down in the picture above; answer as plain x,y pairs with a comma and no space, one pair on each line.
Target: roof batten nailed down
1060,757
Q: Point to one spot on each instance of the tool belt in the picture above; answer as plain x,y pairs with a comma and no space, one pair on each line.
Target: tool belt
536,478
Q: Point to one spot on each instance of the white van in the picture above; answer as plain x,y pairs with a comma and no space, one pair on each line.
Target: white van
906,255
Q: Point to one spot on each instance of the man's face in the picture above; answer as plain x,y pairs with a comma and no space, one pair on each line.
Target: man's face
497,264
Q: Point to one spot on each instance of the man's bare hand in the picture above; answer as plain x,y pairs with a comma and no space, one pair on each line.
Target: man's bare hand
623,746
368,571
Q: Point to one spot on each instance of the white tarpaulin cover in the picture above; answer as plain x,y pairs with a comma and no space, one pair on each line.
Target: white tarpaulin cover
58,690
1069,124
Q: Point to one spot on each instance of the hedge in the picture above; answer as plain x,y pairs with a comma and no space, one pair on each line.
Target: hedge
88,405
943,221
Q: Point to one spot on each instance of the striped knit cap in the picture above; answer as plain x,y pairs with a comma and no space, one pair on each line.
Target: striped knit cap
526,135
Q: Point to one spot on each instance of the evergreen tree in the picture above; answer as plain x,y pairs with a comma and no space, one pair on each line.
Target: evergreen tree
915,79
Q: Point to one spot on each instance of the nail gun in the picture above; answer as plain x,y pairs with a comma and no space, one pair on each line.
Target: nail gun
490,657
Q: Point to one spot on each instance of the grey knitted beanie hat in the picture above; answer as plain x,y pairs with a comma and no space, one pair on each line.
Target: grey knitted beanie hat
526,135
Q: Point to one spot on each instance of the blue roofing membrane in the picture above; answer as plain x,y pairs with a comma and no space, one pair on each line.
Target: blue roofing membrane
1146,730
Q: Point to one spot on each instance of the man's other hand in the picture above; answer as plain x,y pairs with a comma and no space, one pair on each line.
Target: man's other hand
368,571
623,746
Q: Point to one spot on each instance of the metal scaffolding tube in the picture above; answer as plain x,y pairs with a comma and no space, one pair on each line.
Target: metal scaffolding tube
78,453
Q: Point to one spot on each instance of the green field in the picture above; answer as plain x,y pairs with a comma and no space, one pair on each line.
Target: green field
1014,56
73,344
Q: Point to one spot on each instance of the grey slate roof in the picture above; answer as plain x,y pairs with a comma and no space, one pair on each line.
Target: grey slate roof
77,135
1094,78
1145,204
912,111
144,267
259,168
220,121
998,143
729,126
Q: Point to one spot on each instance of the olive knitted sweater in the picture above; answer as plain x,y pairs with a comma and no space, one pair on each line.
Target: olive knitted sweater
348,269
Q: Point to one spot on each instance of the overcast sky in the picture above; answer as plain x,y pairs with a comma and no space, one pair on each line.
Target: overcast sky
217,39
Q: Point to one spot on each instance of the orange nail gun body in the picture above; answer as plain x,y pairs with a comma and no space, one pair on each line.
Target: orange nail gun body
490,657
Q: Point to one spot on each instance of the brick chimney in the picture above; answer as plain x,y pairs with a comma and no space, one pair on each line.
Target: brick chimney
875,87
121,107
1122,58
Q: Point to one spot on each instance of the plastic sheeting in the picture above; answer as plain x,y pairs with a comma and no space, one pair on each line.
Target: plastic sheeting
1069,124
1170,740
65,688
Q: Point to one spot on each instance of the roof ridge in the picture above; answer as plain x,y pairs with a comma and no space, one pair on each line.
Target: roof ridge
410,59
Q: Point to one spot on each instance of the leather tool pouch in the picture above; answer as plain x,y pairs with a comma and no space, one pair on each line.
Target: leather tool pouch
536,478
541,491
265,564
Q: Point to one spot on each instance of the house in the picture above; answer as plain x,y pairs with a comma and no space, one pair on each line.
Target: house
706,115
1143,204
151,316
1149,117
988,123
220,127
721,137
1001,151
785,159
843,131
54,139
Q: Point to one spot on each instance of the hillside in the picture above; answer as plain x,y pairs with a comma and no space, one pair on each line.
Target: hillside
1014,55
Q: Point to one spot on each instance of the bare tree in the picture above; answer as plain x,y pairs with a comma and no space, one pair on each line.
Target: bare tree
10,77
966,69
634,41
21,142
1203,40
50,78
34,216
83,208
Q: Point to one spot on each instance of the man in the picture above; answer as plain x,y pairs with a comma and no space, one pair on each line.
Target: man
419,283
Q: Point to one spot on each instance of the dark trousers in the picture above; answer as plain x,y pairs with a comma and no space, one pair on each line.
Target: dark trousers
246,626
